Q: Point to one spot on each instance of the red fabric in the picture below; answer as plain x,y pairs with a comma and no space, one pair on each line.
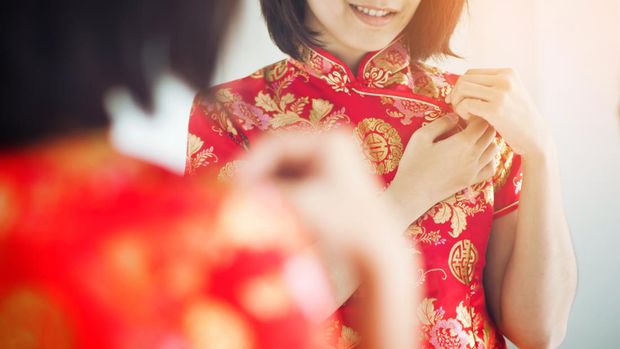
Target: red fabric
102,251
388,100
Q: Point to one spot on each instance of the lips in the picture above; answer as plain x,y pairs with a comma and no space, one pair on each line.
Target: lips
373,16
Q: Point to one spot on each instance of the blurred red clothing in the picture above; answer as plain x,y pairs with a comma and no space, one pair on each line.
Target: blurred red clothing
98,250
385,102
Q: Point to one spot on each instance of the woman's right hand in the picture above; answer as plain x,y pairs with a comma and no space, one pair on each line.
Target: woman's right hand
433,167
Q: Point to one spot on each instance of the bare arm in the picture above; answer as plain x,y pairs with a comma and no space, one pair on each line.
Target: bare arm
531,272
533,247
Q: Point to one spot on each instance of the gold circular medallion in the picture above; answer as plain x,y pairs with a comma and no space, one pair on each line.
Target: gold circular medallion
381,144
463,259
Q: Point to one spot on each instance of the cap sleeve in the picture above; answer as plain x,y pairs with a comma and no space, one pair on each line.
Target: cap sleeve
507,180
214,139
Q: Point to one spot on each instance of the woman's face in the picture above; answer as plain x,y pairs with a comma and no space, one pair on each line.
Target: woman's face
359,25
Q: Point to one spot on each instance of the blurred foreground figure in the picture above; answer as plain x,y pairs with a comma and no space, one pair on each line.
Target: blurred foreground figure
98,250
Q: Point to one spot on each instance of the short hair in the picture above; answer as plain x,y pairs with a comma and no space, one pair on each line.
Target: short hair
60,57
428,34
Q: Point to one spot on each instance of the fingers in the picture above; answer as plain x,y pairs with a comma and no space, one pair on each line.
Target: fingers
489,154
440,126
468,108
487,138
476,128
486,173
465,89
484,80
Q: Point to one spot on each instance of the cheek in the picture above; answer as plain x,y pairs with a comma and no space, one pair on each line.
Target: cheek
330,13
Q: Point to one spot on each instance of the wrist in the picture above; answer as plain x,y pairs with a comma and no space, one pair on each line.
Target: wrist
543,152
408,201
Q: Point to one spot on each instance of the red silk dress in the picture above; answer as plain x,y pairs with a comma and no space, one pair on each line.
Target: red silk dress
98,250
388,99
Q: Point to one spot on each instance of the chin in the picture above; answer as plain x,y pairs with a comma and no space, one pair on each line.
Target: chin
370,45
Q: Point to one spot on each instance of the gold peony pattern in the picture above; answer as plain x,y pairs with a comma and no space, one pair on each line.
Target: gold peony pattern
454,333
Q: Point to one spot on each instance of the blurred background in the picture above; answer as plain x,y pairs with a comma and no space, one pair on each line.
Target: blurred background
567,53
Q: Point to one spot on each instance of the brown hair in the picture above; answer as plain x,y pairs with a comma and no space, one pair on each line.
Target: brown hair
428,33
60,57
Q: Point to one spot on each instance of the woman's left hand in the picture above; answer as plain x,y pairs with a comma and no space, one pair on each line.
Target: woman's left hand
499,97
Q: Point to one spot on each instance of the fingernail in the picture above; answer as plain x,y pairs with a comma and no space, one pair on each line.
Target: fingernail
453,117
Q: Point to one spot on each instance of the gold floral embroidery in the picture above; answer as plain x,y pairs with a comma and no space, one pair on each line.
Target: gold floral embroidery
388,67
419,234
381,143
463,258
338,81
228,171
409,109
289,110
376,77
503,163
458,207
449,333
430,81
196,157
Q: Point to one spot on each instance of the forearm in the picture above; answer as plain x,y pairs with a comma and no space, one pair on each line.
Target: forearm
409,209
540,280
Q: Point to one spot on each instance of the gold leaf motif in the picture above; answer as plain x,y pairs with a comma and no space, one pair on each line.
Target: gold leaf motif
458,222
443,214
320,109
228,171
284,119
225,96
426,311
265,102
286,100
463,315
194,143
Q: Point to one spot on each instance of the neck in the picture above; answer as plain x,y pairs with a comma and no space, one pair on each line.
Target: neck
349,56
352,58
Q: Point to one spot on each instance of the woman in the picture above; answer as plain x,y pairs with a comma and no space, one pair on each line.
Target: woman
98,250
485,210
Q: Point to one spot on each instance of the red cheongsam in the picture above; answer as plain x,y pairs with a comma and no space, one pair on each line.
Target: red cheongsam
388,99
98,250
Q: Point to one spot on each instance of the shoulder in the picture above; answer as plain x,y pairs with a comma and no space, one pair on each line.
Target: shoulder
235,101
432,81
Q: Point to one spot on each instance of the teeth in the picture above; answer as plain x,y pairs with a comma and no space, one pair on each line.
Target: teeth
372,12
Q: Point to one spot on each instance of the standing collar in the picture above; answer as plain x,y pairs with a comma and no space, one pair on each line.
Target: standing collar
387,68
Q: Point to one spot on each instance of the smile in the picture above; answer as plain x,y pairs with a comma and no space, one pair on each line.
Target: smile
372,12
373,16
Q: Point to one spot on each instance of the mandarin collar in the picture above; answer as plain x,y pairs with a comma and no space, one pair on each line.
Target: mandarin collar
389,68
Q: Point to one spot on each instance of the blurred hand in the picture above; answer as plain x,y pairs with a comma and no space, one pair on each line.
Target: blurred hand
327,181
